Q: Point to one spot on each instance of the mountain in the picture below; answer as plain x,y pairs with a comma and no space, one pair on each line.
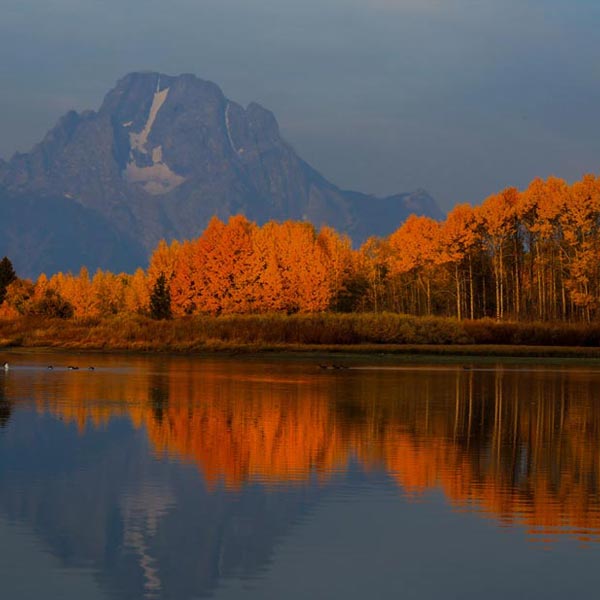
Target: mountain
159,158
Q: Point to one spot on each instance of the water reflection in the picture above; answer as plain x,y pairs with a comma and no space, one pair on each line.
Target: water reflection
520,444
258,444
5,404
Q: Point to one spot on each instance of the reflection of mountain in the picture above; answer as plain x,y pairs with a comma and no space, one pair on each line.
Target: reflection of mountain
518,445
100,500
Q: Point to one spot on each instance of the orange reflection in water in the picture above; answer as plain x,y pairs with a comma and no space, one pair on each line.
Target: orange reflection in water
521,446
274,436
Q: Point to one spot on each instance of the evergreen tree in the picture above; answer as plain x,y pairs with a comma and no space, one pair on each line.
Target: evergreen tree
7,276
51,304
160,299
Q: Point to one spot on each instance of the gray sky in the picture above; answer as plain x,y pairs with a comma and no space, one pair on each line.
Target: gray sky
460,97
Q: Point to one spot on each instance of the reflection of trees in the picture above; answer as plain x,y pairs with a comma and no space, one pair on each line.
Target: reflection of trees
158,393
520,445
5,404
248,435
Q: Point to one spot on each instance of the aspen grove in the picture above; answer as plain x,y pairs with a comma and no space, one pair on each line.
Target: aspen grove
531,255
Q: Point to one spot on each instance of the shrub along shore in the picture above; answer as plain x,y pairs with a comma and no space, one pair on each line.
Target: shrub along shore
325,332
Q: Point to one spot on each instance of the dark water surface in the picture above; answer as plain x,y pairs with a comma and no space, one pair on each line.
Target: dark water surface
158,477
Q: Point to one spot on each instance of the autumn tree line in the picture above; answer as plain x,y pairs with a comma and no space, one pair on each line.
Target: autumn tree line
531,255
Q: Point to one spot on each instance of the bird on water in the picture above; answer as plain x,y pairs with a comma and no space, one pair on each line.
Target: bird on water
5,366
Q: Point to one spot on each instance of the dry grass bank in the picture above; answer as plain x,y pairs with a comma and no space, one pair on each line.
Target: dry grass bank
359,332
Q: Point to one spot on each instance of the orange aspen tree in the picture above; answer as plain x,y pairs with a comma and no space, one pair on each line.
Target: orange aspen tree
580,225
458,236
108,291
237,258
527,214
539,210
224,267
373,265
208,270
340,258
303,264
136,293
270,295
497,216
77,291
163,260
550,212
184,282
415,249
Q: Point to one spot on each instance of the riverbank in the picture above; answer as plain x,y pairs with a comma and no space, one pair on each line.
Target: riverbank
350,333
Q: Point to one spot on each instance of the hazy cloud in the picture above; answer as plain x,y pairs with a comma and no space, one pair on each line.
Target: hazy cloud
457,96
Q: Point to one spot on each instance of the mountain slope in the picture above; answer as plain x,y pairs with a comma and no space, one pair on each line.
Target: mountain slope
50,234
160,157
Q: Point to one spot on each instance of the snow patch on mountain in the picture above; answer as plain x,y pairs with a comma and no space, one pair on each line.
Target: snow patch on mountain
138,140
228,127
156,178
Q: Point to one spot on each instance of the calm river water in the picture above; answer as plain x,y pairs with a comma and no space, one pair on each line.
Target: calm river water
258,478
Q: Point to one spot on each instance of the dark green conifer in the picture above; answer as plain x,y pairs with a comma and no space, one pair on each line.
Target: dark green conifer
7,276
160,299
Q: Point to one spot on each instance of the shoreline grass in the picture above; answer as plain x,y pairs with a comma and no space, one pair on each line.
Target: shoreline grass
329,333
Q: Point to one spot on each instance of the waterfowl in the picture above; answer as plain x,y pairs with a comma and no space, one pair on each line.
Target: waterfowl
5,366
50,367
91,368
72,368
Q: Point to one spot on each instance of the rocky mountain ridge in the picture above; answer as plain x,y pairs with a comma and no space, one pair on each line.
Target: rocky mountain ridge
160,157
